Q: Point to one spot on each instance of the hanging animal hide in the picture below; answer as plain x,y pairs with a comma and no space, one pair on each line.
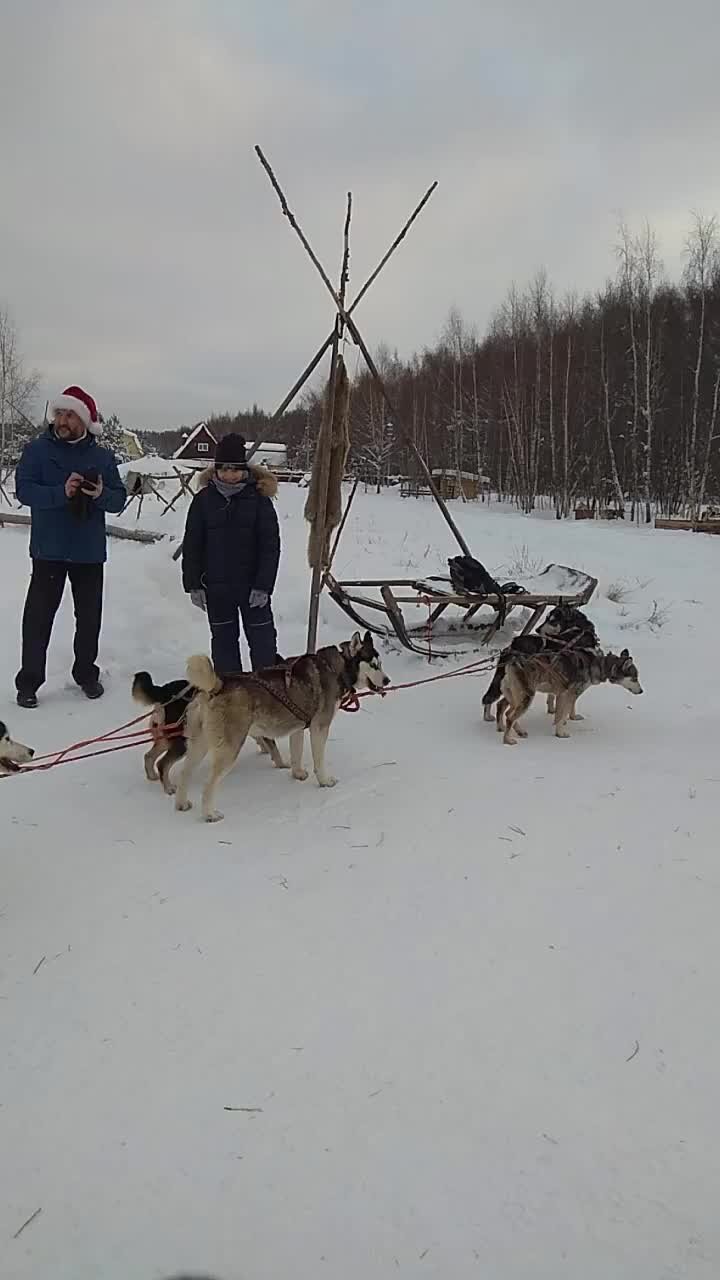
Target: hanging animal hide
335,437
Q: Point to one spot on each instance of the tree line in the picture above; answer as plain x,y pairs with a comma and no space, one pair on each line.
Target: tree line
605,401
608,400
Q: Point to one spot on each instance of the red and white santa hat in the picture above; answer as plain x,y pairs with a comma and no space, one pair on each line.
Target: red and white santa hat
82,404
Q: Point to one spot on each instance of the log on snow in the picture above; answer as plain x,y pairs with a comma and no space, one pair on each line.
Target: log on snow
113,530
693,526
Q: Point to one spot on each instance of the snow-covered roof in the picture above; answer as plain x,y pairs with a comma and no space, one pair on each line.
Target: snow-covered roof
466,475
267,447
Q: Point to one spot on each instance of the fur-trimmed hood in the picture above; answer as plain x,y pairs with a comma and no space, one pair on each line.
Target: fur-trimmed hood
265,481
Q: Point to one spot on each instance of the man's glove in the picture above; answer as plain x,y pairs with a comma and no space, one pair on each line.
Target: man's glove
258,599
198,599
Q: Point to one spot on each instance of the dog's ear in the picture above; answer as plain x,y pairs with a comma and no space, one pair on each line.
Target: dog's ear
355,645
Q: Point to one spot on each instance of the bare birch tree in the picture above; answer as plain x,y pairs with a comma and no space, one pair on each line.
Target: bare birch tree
564,497
649,269
711,438
18,387
608,415
627,255
702,253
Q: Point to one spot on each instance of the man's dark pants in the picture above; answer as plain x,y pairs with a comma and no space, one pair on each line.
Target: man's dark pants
225,609
42,603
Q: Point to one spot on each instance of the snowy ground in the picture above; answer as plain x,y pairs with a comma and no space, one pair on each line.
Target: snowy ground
470,994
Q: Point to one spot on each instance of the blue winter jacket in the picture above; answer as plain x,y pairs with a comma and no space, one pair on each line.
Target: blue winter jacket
232,544
56,532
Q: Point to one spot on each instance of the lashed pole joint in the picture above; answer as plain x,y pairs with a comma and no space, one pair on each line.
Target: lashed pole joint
310,369
312,366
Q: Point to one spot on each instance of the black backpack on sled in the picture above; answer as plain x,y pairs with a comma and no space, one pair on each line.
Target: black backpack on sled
468,575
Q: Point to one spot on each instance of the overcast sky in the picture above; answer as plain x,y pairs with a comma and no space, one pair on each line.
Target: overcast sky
143,252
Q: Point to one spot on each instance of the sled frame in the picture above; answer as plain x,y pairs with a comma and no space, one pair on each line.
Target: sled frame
437,595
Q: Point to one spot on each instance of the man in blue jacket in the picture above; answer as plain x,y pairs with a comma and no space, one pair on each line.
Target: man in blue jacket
231,552
68,481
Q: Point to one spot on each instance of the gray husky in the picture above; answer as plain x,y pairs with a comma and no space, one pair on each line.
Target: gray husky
564,628
279,702
565,676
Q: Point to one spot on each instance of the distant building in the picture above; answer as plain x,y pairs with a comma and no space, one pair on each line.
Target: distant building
131,445
451,483
269,455
198,445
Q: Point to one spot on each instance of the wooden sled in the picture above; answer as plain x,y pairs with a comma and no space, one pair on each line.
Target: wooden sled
562,585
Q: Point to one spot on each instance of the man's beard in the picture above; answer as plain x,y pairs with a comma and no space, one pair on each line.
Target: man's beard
67,433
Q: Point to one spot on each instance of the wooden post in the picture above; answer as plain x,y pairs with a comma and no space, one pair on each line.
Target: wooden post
5,479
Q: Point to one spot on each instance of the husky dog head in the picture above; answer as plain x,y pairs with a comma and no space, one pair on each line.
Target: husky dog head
12,754
363,664
564,617
622,670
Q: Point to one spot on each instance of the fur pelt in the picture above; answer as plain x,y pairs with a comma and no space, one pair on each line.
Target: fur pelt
266,482
335,425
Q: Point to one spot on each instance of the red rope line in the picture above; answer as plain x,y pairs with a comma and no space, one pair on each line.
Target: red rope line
111,736
470,668
64,758
136,738
122,739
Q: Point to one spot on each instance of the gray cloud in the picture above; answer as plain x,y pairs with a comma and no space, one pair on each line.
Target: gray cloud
144,253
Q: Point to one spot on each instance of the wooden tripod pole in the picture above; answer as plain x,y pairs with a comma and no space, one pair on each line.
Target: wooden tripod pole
323,462
341,526
316,584
312,366
358,339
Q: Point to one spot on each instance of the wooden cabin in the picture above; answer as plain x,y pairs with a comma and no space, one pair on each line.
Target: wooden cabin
460,484
198,446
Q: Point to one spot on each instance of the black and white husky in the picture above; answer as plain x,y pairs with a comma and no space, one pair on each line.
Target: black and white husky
169,704
12,754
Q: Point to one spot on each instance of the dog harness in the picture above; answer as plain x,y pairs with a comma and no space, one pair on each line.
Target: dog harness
280,695
283,696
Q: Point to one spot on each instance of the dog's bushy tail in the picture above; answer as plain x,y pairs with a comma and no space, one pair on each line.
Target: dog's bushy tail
144,690
201,674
